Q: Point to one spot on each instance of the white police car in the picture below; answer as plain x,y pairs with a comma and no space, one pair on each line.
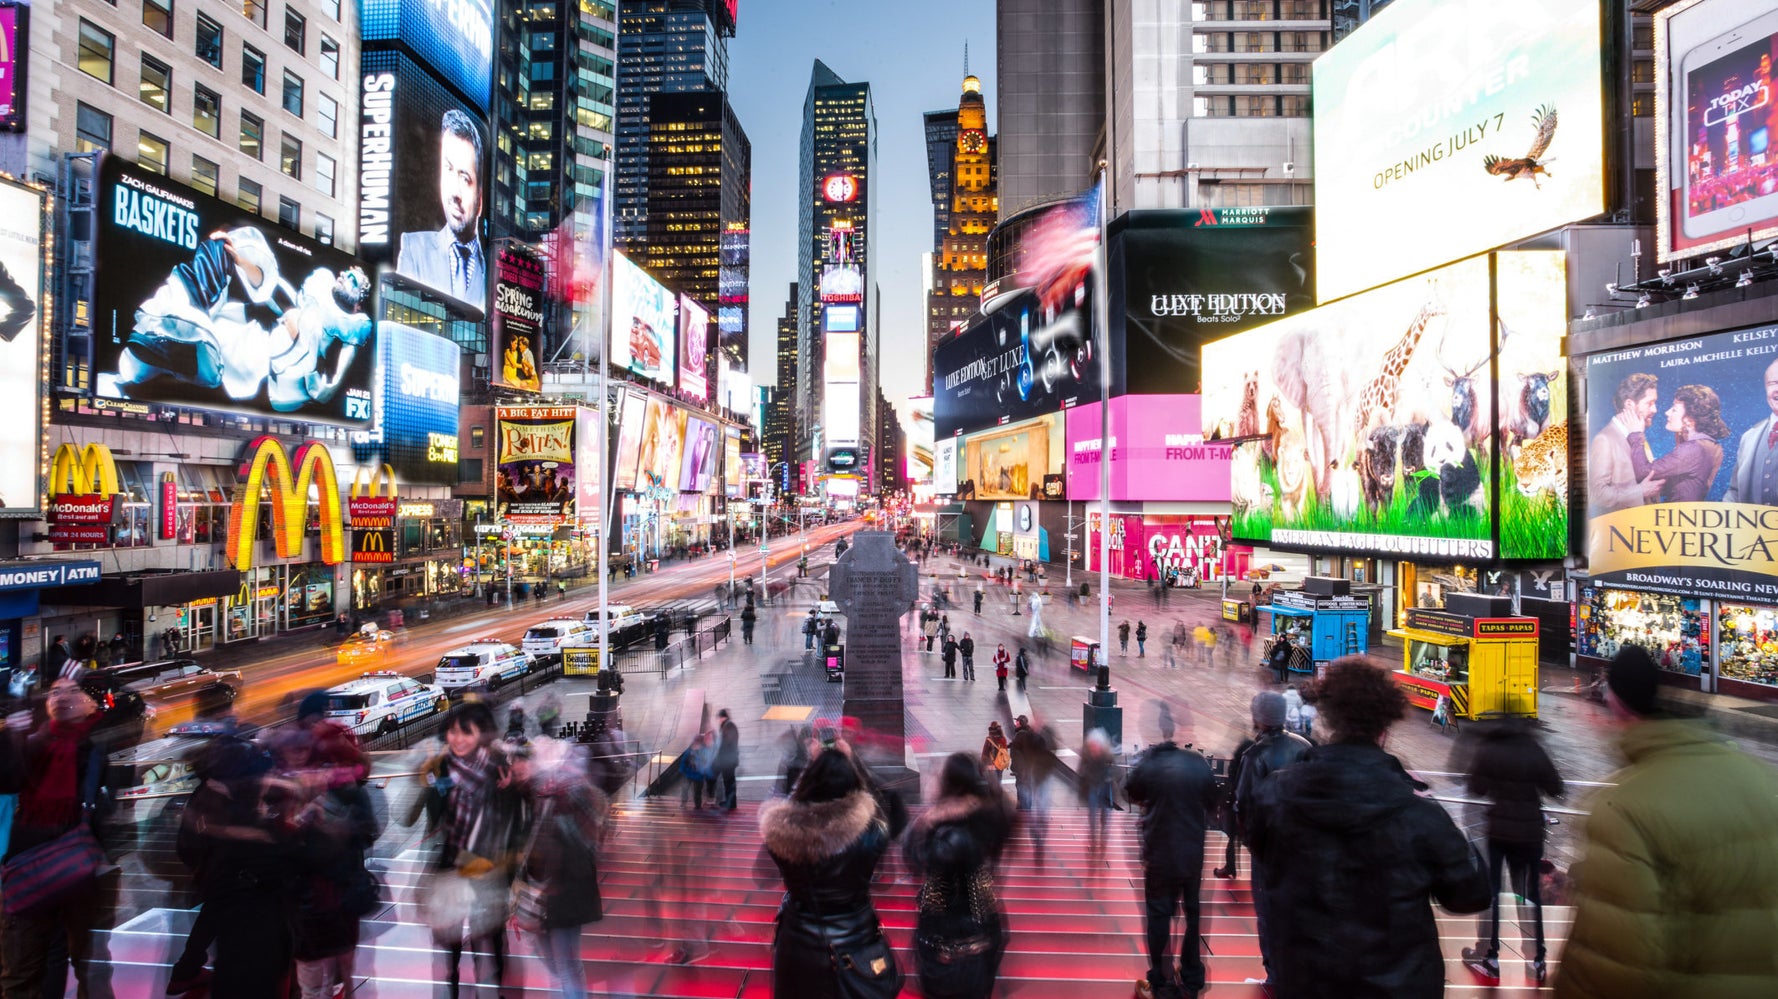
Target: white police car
486,663
379,703
545,642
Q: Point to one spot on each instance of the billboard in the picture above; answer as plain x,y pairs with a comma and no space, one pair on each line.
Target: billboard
702,452
643,332
631,417
454,39
1011,462
1679,434
535,482
1158,451
1716,125
662,449
22,322
197,302
840,412
417,391
694,340
919,459
735,263
515,326
1024,360
588,425
267,470
1180,279
1444,128
1372,425
15,24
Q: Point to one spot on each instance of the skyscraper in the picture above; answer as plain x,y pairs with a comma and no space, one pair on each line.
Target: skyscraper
971,208
779,442
836,309
1051,72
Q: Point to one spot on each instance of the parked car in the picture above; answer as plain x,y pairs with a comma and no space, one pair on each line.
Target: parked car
164,678
483,664
544,642
627,624
380,702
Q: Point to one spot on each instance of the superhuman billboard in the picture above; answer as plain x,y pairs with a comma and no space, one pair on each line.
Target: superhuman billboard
198,302
452,38
417,392
1680,435
1444,128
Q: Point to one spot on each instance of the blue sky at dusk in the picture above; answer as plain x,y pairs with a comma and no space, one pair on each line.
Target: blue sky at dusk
911,53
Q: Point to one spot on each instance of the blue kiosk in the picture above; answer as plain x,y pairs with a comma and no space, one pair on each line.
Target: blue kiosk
1327,624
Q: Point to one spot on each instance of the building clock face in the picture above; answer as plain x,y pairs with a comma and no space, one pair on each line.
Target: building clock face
973,141
840,187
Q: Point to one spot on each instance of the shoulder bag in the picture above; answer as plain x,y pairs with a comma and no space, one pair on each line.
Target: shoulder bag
48,874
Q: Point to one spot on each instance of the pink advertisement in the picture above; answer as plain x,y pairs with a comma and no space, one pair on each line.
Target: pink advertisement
1142,546
1158,452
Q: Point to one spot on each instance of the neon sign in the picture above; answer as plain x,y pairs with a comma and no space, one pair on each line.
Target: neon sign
267,465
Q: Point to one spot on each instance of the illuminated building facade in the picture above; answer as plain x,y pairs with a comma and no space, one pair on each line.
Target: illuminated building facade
972,207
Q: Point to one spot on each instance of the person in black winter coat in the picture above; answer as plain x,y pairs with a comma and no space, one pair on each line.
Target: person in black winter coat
1510,769
1176,792
960,932
949,654
826,840
728,759
1273,749
333,891
966,648
1351,856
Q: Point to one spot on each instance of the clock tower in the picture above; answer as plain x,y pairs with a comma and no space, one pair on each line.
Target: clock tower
960,263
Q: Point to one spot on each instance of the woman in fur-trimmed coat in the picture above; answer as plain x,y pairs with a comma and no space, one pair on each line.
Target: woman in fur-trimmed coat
827,839
961,932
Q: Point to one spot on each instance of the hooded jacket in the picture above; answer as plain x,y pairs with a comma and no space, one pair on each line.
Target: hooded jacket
826,852
1272,751
1350,858
1511,770
1678,894
949,844
1176,790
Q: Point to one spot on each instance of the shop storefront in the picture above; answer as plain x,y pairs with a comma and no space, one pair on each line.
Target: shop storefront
1675,630
1183,548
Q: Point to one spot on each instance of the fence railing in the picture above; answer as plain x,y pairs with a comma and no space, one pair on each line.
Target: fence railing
693,646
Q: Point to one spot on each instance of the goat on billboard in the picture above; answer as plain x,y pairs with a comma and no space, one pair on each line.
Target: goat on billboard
1371,423
643,333
1716,130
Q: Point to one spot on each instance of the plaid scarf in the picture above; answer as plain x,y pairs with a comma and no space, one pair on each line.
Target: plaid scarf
472,783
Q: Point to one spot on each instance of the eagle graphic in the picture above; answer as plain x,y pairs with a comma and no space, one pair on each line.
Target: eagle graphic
1532,163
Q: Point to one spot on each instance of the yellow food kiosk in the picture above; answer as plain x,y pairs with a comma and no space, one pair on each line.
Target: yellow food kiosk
1487,665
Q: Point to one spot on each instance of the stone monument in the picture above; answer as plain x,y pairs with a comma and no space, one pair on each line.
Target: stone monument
874,585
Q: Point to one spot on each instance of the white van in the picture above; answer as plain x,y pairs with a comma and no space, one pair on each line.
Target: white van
544,642
486,663
626,624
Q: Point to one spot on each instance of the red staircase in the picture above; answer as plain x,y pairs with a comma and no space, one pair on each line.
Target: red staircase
1076,922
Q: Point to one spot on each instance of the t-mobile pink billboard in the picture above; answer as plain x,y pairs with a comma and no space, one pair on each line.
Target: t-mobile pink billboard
1158,452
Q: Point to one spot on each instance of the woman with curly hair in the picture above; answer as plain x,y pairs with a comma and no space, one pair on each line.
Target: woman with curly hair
1686,472
1351,857
960,934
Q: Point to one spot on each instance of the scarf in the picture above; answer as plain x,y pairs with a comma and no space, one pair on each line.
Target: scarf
472,780
51,798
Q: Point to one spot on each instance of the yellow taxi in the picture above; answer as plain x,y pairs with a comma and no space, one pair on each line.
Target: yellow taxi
366,651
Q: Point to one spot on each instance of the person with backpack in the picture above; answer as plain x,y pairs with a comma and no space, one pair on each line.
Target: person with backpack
1001,658
1272,750
996,751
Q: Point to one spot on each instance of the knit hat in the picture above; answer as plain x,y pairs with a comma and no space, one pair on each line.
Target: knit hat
1634,679
313,705
1268,709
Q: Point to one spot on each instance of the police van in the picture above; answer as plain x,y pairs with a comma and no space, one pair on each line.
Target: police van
381,702
544,642
486,663
627,625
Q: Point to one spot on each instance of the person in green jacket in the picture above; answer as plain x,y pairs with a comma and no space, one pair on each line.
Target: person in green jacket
1677,896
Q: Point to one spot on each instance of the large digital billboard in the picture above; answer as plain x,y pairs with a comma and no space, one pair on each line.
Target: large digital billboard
15,24
197,302
1180,279
1158,451
694,340
662,449
920,442
22,324
1716,126
1678,499
1012,462
1024,360
734,473
631,417
423,160
643,331
944,466
1444,128
1371,422
535,482
702,452
453,37
417,392
515,324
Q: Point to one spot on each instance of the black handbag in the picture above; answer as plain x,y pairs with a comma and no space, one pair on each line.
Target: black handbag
867,970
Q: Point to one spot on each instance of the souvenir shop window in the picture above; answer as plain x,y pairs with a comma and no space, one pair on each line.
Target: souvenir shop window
1674,630
1749,637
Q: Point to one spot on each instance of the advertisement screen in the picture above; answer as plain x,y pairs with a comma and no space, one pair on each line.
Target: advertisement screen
535,482
456,39
840,318
631,418
589,423
734,473
944,466
423,166
1532,371
840,411
1011,462
694,342
22,316
731,291
1716,125
919,440
663,446
643,332
1484,117
1679,437
417,391
515,326
1376,416
197,302
14,25
1024,360
702,452
1158,451
842,357
1183,278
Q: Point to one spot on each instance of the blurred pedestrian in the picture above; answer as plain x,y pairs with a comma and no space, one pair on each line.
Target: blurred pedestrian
795,748
959,932
748,617
120,649
929,627
1677,894
1021,667
1349,856
978,598
1001,659
949,655
1094,787
1141,639
996,753
728,760
56,657
1176,791
1510,770
1273,749
1123,638
826,840
228,769
698,766
556,891
966,649
334,830
811,627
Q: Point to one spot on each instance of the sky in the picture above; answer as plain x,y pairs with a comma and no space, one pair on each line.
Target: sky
911,53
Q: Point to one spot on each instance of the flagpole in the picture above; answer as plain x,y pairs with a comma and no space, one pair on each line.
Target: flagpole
1101,319
600,234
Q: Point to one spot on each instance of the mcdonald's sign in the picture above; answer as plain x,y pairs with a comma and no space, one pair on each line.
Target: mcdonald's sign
83,488
366,507
83,471
373,544
265,464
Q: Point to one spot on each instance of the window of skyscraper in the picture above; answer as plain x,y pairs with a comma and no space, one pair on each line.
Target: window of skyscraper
204,175
151,153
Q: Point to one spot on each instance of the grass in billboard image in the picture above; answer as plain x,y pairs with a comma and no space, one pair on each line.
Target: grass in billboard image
1011,462
1679,496
535,480
1532,299
201,303
21,320
1445,128
643,332
1366,438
